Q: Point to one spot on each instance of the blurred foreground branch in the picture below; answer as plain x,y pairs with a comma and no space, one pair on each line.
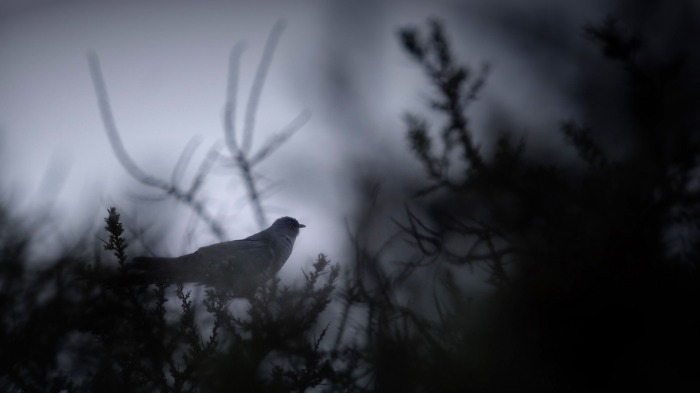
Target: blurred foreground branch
241,156
188,195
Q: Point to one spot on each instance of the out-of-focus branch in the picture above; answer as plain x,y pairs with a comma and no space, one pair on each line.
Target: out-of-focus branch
231,90
184,160
258,82
204,167
277,140
240,151
241,155
456,90
188,197
457,87
238,154
111,127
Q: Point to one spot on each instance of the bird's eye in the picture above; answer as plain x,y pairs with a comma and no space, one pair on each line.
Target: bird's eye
291,226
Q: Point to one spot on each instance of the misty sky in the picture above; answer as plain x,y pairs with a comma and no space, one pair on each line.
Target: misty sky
165,65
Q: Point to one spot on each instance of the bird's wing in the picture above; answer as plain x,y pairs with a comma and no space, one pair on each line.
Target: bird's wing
237,264
238,257
150,269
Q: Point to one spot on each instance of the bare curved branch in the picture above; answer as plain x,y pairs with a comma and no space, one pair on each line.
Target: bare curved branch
204,168
184,160
111,127
237,154
129,164
258,82
240,154
274,142
231,92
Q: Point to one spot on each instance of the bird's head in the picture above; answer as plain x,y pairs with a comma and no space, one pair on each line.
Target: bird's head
288,226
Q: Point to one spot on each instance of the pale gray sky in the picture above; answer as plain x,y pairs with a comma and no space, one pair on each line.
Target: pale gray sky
165,65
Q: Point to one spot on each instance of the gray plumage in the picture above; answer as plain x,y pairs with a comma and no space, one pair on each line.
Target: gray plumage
238,265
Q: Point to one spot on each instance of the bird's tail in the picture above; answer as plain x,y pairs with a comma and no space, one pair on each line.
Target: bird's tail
139,271
144,270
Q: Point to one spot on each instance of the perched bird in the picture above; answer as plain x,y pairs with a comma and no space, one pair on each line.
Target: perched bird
238,265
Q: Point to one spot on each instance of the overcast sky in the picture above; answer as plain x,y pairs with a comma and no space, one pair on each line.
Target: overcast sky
165,66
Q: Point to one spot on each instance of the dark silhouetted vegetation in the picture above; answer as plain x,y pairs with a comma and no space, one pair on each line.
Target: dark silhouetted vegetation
70,329
592,261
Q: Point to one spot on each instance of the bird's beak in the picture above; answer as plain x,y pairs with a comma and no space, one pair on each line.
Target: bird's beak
302,226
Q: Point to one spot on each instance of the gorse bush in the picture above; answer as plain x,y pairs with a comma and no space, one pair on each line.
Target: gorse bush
93,335
593,263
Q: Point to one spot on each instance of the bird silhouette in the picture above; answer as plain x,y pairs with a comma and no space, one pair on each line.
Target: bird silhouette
237,265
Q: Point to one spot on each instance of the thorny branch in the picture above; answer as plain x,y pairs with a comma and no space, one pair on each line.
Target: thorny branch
457,88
